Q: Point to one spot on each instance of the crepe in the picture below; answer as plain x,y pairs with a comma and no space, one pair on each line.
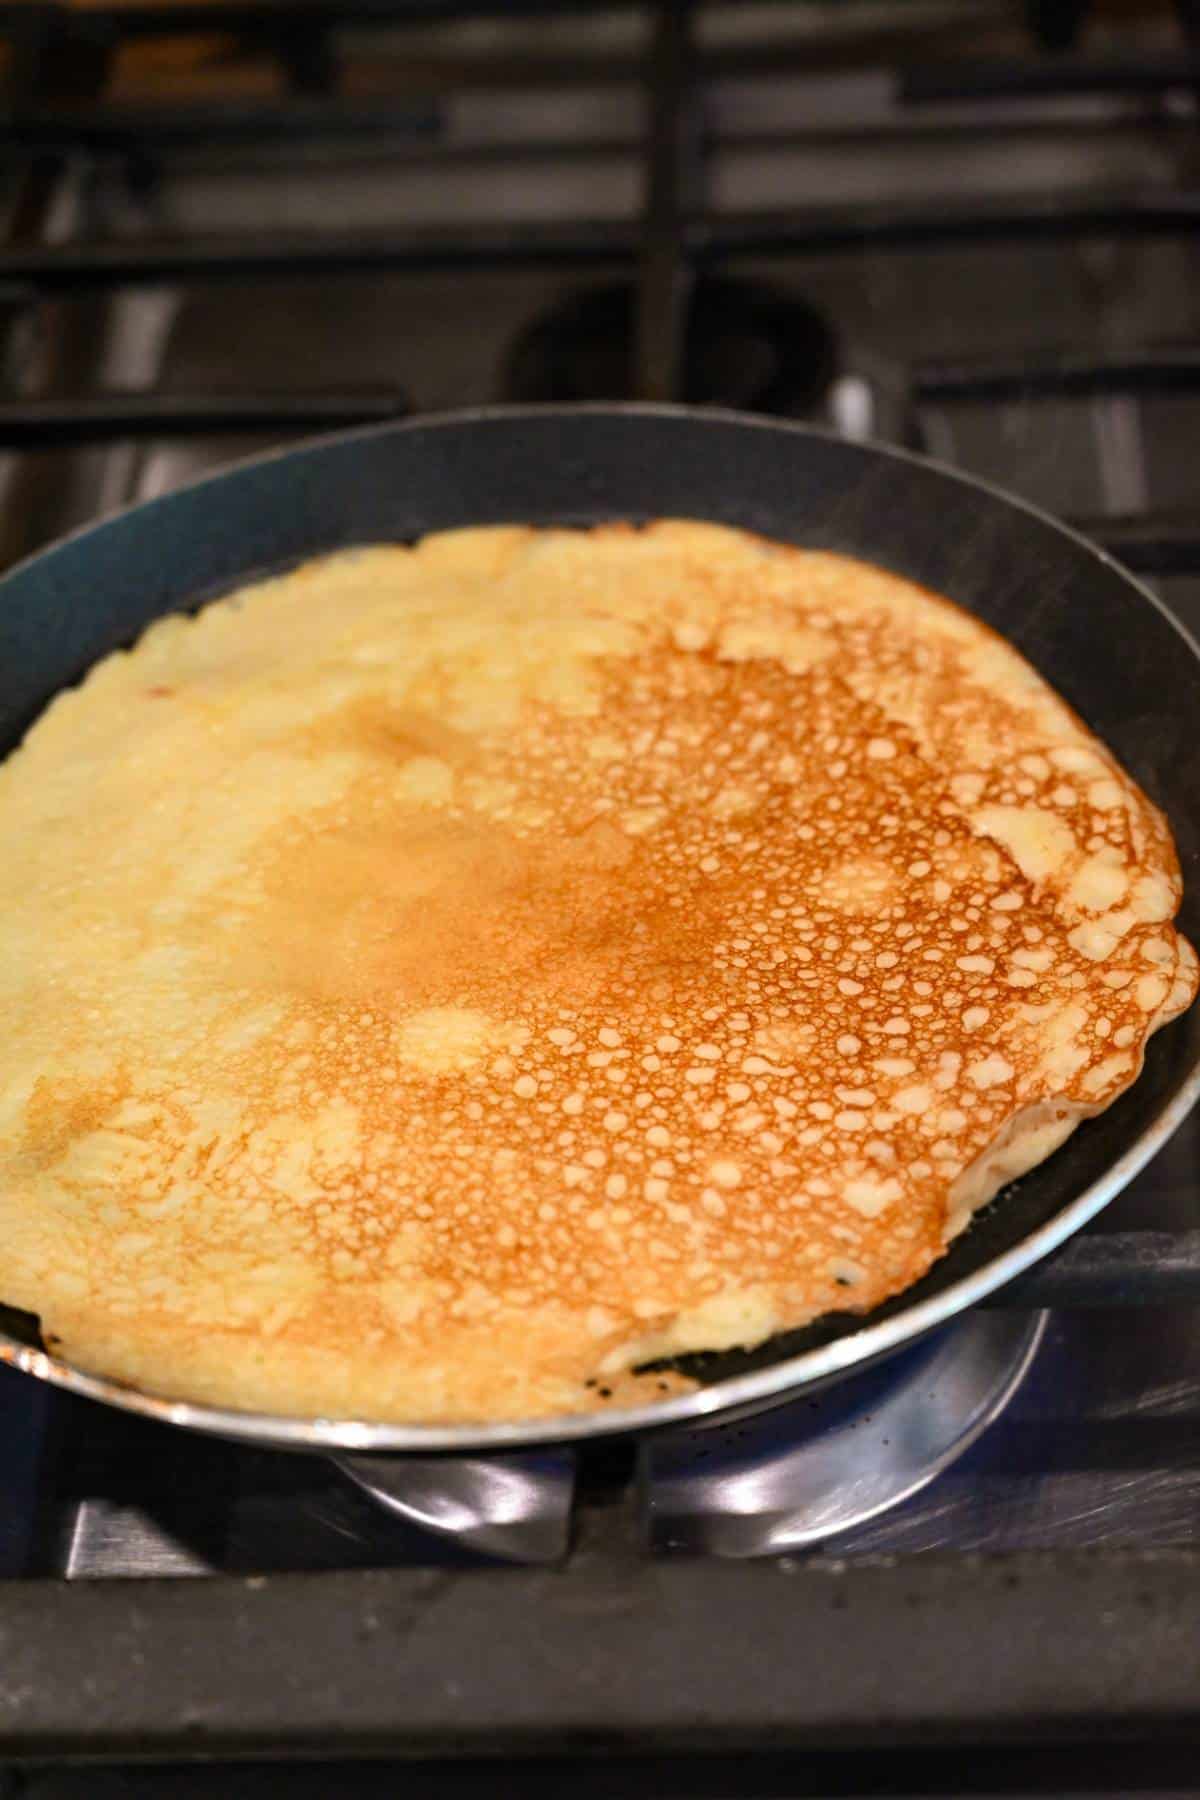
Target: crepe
440,981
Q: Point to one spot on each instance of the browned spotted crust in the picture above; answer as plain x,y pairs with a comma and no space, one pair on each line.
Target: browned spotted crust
439,980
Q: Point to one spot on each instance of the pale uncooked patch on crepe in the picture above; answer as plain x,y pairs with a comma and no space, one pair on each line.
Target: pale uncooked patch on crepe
440,980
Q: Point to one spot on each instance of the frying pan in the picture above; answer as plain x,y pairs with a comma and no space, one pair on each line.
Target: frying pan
1106,643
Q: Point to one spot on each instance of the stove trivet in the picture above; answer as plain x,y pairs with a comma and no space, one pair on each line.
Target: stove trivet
747,345
776,1482
802,1473
516,1508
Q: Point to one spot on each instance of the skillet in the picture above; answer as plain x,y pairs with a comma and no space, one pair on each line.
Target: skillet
1103,641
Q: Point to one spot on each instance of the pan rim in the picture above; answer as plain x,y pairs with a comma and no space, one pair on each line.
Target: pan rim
826,1362
453,418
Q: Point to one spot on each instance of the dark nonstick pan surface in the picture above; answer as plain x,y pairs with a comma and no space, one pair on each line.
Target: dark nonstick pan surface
1104,642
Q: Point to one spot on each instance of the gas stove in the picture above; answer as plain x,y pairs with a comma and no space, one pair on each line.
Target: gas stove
231,225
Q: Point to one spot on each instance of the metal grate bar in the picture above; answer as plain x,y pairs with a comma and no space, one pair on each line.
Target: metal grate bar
911,225
30,424
412,123
153,19
1149,543
1060,374
275,22
776,1653
140,131
1048,78
948,223
673,152
221,256
1117,1268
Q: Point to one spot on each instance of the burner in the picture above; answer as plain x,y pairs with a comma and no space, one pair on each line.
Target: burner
515,1508
789,1479
779,1481
748,346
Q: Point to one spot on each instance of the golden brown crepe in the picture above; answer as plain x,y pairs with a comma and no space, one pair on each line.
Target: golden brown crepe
438,981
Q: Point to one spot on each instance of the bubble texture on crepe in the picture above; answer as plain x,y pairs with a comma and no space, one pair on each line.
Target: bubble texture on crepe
439,981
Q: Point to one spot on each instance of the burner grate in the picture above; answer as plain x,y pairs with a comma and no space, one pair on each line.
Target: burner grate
99,418
793,1657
